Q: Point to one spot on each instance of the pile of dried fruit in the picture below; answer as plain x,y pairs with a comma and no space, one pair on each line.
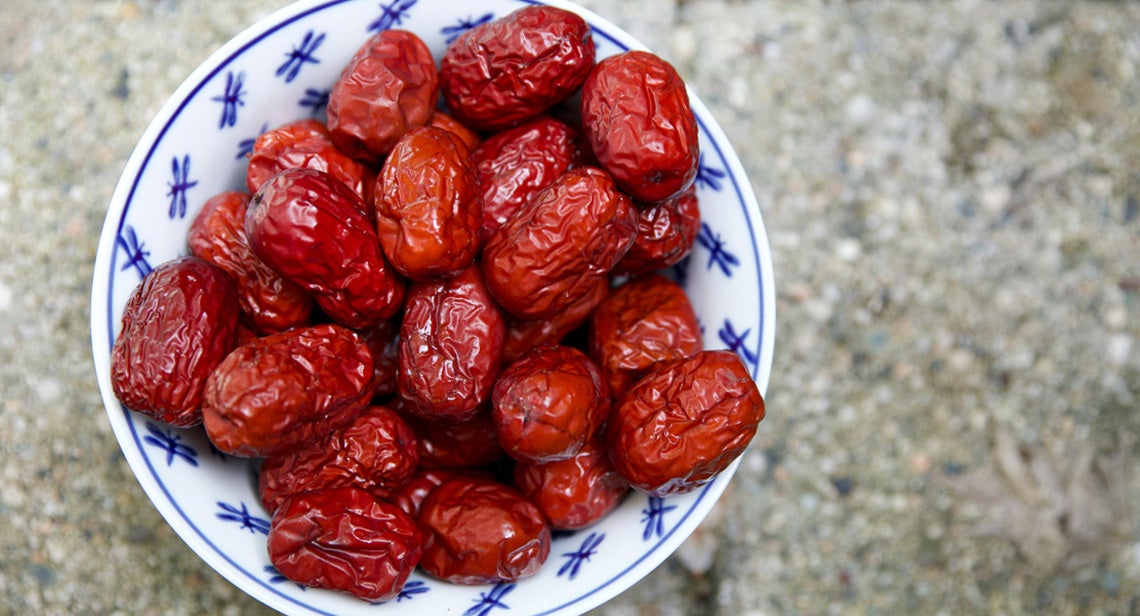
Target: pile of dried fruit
442,329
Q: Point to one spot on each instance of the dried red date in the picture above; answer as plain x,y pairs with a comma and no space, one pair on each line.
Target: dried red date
427,205
665,234
388,88
684,423
276,393
457,445
517,163
424,481
548,404
478,531
504,72
312,229
440,119
177,326
522,335
644,322
636,114
384,342
346,540
576,492
270,302
553,252
375,452
451,341
304,143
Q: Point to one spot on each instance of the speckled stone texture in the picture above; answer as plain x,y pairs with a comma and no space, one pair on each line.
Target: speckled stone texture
952,192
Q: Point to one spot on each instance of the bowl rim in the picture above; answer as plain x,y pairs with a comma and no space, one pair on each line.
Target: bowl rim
103,325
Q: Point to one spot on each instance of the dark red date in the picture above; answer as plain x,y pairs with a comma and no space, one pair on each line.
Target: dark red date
304,143
269,302
478,531
345,540
388,88
506,71
177,326
548,404
275,393
684,423
457,445
553,252
666,232
524,335
313,230
576,492
384,342
428,209
636,114
451,341
375,452
644,322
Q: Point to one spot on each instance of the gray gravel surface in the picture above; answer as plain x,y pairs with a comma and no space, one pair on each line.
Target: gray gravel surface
952,192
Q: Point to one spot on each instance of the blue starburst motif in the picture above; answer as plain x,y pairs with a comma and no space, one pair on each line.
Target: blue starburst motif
245,146
243,517
737,342
232,98
136,251
488,601
463,25
709,176
391,14
575,559
171,443
718,254
315,100
180,183
300,55
275,577
653,517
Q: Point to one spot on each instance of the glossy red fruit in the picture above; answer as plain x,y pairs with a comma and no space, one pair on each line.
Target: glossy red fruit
276,393
644,322
504,72
346,540
303,143
177,326
375,452
576,492
524,335
553,252
636,113
478,531
451,341
549,404
451,444
269,301
684,423
313,230
388,88
383,340
428,208
666,232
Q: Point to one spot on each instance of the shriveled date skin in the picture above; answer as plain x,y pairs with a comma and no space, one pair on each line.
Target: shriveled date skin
637,117
375,452
428,209
451,341
177,326
553,252
644,322
273,394
681,425
517,163
384,342
313,230
270,302
504,72
666,232
478,531
346,540
388,88
444,443
303,143
576,492
548,404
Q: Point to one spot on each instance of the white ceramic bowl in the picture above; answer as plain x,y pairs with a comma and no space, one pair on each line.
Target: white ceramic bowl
279,70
